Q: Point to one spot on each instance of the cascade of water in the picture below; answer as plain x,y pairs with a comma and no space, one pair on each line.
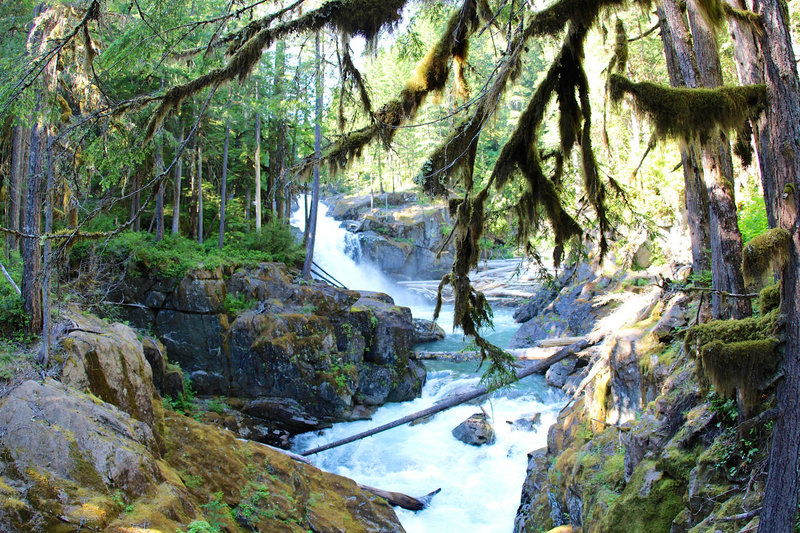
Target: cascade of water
330,252
480,485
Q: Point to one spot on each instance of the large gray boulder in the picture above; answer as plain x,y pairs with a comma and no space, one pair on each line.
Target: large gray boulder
475,430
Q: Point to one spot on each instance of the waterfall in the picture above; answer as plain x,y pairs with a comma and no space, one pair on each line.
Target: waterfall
480,485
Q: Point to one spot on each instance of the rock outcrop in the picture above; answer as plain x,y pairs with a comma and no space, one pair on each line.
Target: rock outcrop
402,241
70,462
640,450
254,335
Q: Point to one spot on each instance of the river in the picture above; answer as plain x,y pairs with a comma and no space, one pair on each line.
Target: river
480,485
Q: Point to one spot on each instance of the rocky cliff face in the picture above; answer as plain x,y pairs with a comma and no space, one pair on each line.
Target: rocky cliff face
403,240
641,447
254,335
103,455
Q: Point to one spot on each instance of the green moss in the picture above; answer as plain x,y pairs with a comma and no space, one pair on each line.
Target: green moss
770,298
737,354
685,112
650,502
770,249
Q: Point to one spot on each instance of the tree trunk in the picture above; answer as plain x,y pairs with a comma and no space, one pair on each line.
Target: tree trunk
750,67
672,29
136,202
312,223
783,120
278,166
176,190
223,194
726,240
31,251
199,191
159,170
44,354
257,157
14,182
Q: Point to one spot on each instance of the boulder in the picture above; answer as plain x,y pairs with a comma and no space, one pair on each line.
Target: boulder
71,462
556,375
527,422
109,361
475,430
63,452
427,331
673,317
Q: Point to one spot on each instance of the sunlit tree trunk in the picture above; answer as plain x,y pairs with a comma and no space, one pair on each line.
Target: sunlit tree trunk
257,157
223,193
159,170
31,251
783,200
674,36
44,354
750,67
312,222
199,191
726,240
176,190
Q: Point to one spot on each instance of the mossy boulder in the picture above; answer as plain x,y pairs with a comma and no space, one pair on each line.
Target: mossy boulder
654,495
109,361
71,462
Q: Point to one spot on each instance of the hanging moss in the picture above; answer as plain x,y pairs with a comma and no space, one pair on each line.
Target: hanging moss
770,250
713,11
743,147
353,17
739,355
742,15
351,78
769,298
684,112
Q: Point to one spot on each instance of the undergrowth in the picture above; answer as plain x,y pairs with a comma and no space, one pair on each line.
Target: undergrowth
174,255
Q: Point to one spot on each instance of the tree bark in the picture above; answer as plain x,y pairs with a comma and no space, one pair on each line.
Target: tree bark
223,194
257,157
278,166
31,251
44,354
726,240
311,227
159,169
176,190
199,191
750,67
783,120
679,66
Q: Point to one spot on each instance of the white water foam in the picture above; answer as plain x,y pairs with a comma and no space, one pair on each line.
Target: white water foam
480,485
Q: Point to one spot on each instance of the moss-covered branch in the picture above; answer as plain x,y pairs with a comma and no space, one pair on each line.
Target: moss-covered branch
352,17
741,355
768,250
683,112
429,77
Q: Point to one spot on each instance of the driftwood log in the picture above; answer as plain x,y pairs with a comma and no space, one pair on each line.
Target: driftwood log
398,499
533,368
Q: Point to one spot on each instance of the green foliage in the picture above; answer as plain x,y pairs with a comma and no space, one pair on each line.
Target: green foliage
736,455
752,216
184,403
174,255
13,319
235,304
217,405
200,526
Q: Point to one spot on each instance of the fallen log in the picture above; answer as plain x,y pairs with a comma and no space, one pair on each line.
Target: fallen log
398,499
538,366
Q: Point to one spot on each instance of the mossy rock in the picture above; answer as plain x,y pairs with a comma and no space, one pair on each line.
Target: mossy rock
650,502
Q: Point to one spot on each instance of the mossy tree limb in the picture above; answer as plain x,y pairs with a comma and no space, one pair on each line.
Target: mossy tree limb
681,112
